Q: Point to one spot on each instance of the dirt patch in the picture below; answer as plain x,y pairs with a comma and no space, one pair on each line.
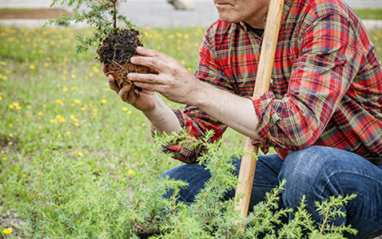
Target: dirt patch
41,13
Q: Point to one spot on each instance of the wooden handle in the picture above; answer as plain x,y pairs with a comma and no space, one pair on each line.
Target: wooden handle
267,57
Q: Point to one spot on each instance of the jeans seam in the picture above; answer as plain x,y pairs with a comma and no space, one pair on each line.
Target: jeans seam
264,185
370,233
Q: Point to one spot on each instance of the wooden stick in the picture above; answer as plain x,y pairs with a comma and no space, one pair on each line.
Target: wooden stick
267,57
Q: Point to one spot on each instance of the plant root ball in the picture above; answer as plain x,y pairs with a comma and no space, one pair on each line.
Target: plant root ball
116,51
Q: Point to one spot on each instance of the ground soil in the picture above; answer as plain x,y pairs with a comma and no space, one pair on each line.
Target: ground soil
42,13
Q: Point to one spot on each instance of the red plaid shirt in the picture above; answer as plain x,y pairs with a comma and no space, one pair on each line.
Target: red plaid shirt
326,84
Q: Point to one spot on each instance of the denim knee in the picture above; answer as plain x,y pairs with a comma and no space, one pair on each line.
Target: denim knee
320,172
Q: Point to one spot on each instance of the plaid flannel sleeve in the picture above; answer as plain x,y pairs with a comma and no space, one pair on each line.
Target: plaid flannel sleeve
328,61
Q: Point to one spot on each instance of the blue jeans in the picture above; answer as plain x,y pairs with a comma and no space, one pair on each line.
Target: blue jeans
316,172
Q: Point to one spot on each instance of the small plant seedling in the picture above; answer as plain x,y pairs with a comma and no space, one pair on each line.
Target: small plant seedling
116,45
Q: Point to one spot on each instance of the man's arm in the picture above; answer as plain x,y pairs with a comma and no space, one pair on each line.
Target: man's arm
163,118
178,85
233,110
160,115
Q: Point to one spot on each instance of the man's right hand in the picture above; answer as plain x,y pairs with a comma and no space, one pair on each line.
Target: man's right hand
159,114
142,100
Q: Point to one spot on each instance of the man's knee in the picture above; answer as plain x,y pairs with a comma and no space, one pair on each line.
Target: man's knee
307,172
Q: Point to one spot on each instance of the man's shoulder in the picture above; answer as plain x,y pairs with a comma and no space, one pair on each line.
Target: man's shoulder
308,12
219,27
322,8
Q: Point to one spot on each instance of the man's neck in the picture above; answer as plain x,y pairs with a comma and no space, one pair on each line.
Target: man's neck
258,31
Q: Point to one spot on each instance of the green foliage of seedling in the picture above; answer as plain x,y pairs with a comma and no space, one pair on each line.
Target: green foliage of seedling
68,200
103,15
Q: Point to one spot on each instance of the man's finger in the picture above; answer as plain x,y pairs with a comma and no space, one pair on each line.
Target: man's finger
124,93
112,83
148,52
104,69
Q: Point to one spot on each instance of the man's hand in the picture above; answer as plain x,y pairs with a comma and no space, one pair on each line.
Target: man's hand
173,80
143,100
159,114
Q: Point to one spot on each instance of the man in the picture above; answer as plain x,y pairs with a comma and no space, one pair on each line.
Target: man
323,113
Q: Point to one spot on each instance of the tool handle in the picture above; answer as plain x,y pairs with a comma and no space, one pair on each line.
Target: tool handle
267,57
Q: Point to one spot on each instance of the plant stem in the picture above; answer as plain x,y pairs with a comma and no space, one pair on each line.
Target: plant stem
115,15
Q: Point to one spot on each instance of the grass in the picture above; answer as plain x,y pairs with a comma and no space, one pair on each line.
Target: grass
49,95
54,102
368,13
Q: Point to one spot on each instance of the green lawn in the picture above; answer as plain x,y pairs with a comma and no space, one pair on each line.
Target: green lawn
369,13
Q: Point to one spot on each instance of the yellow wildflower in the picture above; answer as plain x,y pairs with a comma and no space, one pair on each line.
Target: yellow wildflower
124,109
131,172
39,113
129,112
60,118
74,88
65,89
59,102
3,63
7,231
73,76
32,67
95,69
15,105
103,101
